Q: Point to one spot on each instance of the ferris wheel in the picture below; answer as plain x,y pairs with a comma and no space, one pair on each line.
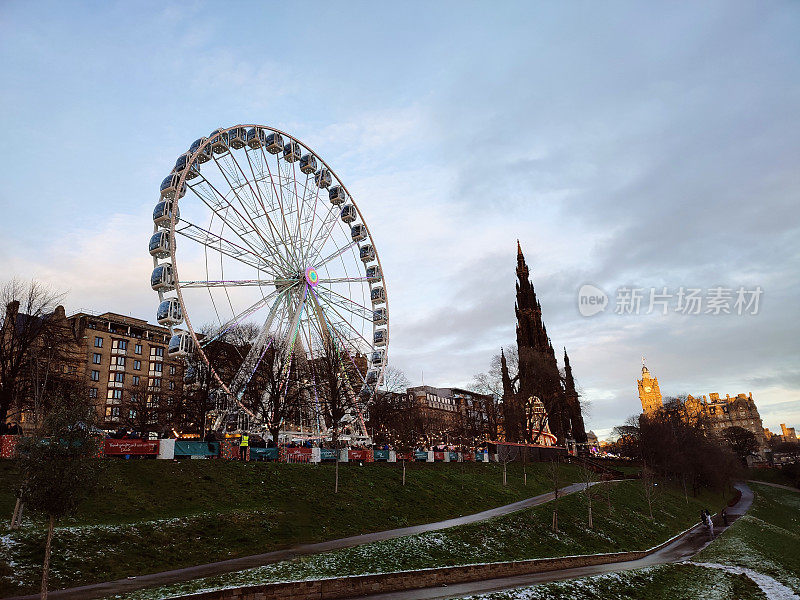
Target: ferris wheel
253,227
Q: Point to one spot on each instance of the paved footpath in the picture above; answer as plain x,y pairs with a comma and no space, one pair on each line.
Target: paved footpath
122,586
681,549
775,485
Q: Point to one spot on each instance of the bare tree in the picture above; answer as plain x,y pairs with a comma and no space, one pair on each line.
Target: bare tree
649,484
554,473
278,387
330,375
34,347
226,351
141,405
589,478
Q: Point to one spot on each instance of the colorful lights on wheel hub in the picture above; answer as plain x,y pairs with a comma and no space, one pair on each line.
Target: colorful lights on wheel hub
311,277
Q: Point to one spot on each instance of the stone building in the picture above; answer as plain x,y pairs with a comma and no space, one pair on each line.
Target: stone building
455,411
715,413
120,362
649,392
721,413
787,434
128,374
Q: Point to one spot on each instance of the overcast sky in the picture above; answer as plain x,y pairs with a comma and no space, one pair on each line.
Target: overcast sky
633,145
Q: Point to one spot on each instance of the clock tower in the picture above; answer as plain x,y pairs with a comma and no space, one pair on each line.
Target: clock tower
649,394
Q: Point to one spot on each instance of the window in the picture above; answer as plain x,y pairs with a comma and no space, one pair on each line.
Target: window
157,351
172,385
95,375
138,349
156,367
92,392
98,341
96,358
121,361
153,400
119,377
112,413
155,382
92,325
114,395
135,380
132,413
172,369
137,365
119,344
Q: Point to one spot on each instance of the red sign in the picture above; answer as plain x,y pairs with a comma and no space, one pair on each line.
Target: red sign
469,456
405,456
438,456
365,455
137,447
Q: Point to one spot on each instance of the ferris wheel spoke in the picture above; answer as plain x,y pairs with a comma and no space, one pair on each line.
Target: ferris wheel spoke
269,247
233,221
310,229
338,328
326,225
218,243
345,322
285,181
257,192
275,193
344,280
202,283
343,342
250,363
239,318
338,252
360,310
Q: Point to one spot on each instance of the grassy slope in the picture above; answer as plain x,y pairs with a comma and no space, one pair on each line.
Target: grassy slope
667,582
158,515
525,534
766,539
770,476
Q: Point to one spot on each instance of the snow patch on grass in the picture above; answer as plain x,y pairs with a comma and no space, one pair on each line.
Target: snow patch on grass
773,589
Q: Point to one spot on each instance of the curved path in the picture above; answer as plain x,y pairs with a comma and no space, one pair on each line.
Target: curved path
681,549
122,586
775,485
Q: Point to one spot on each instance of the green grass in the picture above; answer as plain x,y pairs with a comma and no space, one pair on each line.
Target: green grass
159,515
766,539
770,475
522,535
667,582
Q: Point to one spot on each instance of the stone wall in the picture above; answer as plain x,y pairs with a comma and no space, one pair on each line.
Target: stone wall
363,585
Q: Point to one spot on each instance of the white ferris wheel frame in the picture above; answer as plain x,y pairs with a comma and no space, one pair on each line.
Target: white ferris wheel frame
197,347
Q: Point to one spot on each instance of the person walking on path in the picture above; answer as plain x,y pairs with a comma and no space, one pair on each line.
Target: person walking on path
709,522
724,517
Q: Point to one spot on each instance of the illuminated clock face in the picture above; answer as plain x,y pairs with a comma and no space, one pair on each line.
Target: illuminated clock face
647,388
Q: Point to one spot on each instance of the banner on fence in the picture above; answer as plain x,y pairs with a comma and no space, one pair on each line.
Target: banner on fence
131,447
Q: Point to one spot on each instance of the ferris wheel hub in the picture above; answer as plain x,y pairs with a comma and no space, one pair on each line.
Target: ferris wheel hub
312,278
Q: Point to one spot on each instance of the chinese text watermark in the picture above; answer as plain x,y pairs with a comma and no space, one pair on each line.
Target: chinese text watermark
627,300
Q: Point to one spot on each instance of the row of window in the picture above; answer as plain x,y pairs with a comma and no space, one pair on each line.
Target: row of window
116,393
117,344
113,414
134,334
120,361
